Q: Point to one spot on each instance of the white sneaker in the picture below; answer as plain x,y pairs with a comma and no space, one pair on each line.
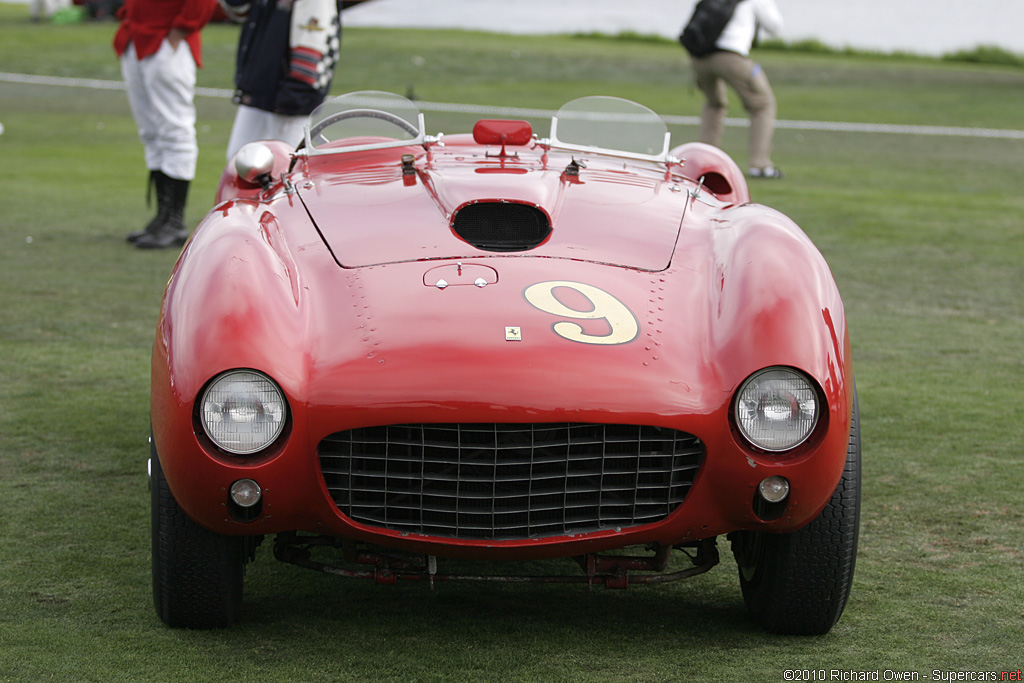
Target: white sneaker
766,172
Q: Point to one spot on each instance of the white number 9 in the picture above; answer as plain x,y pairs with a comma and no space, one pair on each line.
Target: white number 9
603,306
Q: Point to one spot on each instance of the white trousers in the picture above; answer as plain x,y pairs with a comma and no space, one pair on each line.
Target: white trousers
252,124
161,93
44,9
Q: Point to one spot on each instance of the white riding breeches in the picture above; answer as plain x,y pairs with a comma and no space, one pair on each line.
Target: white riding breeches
252,124
161,93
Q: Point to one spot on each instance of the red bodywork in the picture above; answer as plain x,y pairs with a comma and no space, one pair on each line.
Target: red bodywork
328,284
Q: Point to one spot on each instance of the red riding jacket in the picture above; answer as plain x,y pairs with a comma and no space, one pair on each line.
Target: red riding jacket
145,24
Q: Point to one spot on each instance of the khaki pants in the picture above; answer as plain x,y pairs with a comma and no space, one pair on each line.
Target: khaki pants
751,84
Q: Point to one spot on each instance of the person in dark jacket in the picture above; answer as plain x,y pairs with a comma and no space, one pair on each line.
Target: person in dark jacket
287,52
159,48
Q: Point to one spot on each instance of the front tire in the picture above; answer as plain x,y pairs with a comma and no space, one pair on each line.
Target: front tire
197,574
798,583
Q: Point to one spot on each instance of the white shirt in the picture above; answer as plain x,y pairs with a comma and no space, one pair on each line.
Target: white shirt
749,15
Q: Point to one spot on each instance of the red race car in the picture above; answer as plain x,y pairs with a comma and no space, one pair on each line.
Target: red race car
398,354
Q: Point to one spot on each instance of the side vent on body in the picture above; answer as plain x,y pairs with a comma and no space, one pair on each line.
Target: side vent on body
501,226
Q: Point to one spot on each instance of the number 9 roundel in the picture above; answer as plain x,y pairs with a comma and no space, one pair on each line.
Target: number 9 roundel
621,322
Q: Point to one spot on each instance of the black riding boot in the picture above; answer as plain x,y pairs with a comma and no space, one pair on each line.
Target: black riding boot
172,195
161,210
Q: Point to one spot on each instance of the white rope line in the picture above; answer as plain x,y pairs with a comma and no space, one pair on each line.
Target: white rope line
521,112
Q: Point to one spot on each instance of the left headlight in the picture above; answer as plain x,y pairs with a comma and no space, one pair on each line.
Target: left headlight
776,409
243,411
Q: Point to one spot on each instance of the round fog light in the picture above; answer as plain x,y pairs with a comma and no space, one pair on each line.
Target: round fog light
246,493
774,489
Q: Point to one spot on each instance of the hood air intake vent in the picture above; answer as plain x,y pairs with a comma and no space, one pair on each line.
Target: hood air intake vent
501,226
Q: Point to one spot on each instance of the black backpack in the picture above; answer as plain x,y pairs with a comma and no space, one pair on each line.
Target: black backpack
706,25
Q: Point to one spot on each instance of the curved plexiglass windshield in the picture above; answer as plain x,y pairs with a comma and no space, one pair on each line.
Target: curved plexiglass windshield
375,120
391,119
610,124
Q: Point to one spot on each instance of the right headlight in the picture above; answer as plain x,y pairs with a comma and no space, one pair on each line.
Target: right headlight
776,409
243,411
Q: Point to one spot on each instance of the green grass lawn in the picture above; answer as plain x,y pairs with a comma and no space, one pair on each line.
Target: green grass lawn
925,236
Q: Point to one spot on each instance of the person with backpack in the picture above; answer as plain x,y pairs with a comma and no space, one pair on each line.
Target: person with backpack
718,37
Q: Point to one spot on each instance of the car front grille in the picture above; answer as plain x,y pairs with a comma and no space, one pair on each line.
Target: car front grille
508,481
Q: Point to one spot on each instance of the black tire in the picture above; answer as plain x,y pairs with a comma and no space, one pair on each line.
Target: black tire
197,574
798,583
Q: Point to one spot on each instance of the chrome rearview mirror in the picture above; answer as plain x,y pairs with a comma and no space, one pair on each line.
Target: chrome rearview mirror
254,162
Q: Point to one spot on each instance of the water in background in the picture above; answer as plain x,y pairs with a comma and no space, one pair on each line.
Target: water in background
928,27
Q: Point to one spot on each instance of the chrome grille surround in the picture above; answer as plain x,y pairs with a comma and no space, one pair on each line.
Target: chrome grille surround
508,481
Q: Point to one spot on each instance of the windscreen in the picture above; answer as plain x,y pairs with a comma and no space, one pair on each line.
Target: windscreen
366,114
610,123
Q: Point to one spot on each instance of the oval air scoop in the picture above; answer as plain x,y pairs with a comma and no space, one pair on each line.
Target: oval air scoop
501,226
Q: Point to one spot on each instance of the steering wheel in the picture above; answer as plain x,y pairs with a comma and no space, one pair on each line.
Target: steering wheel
316,130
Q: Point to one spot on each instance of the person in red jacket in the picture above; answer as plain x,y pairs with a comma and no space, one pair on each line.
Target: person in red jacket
159,47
